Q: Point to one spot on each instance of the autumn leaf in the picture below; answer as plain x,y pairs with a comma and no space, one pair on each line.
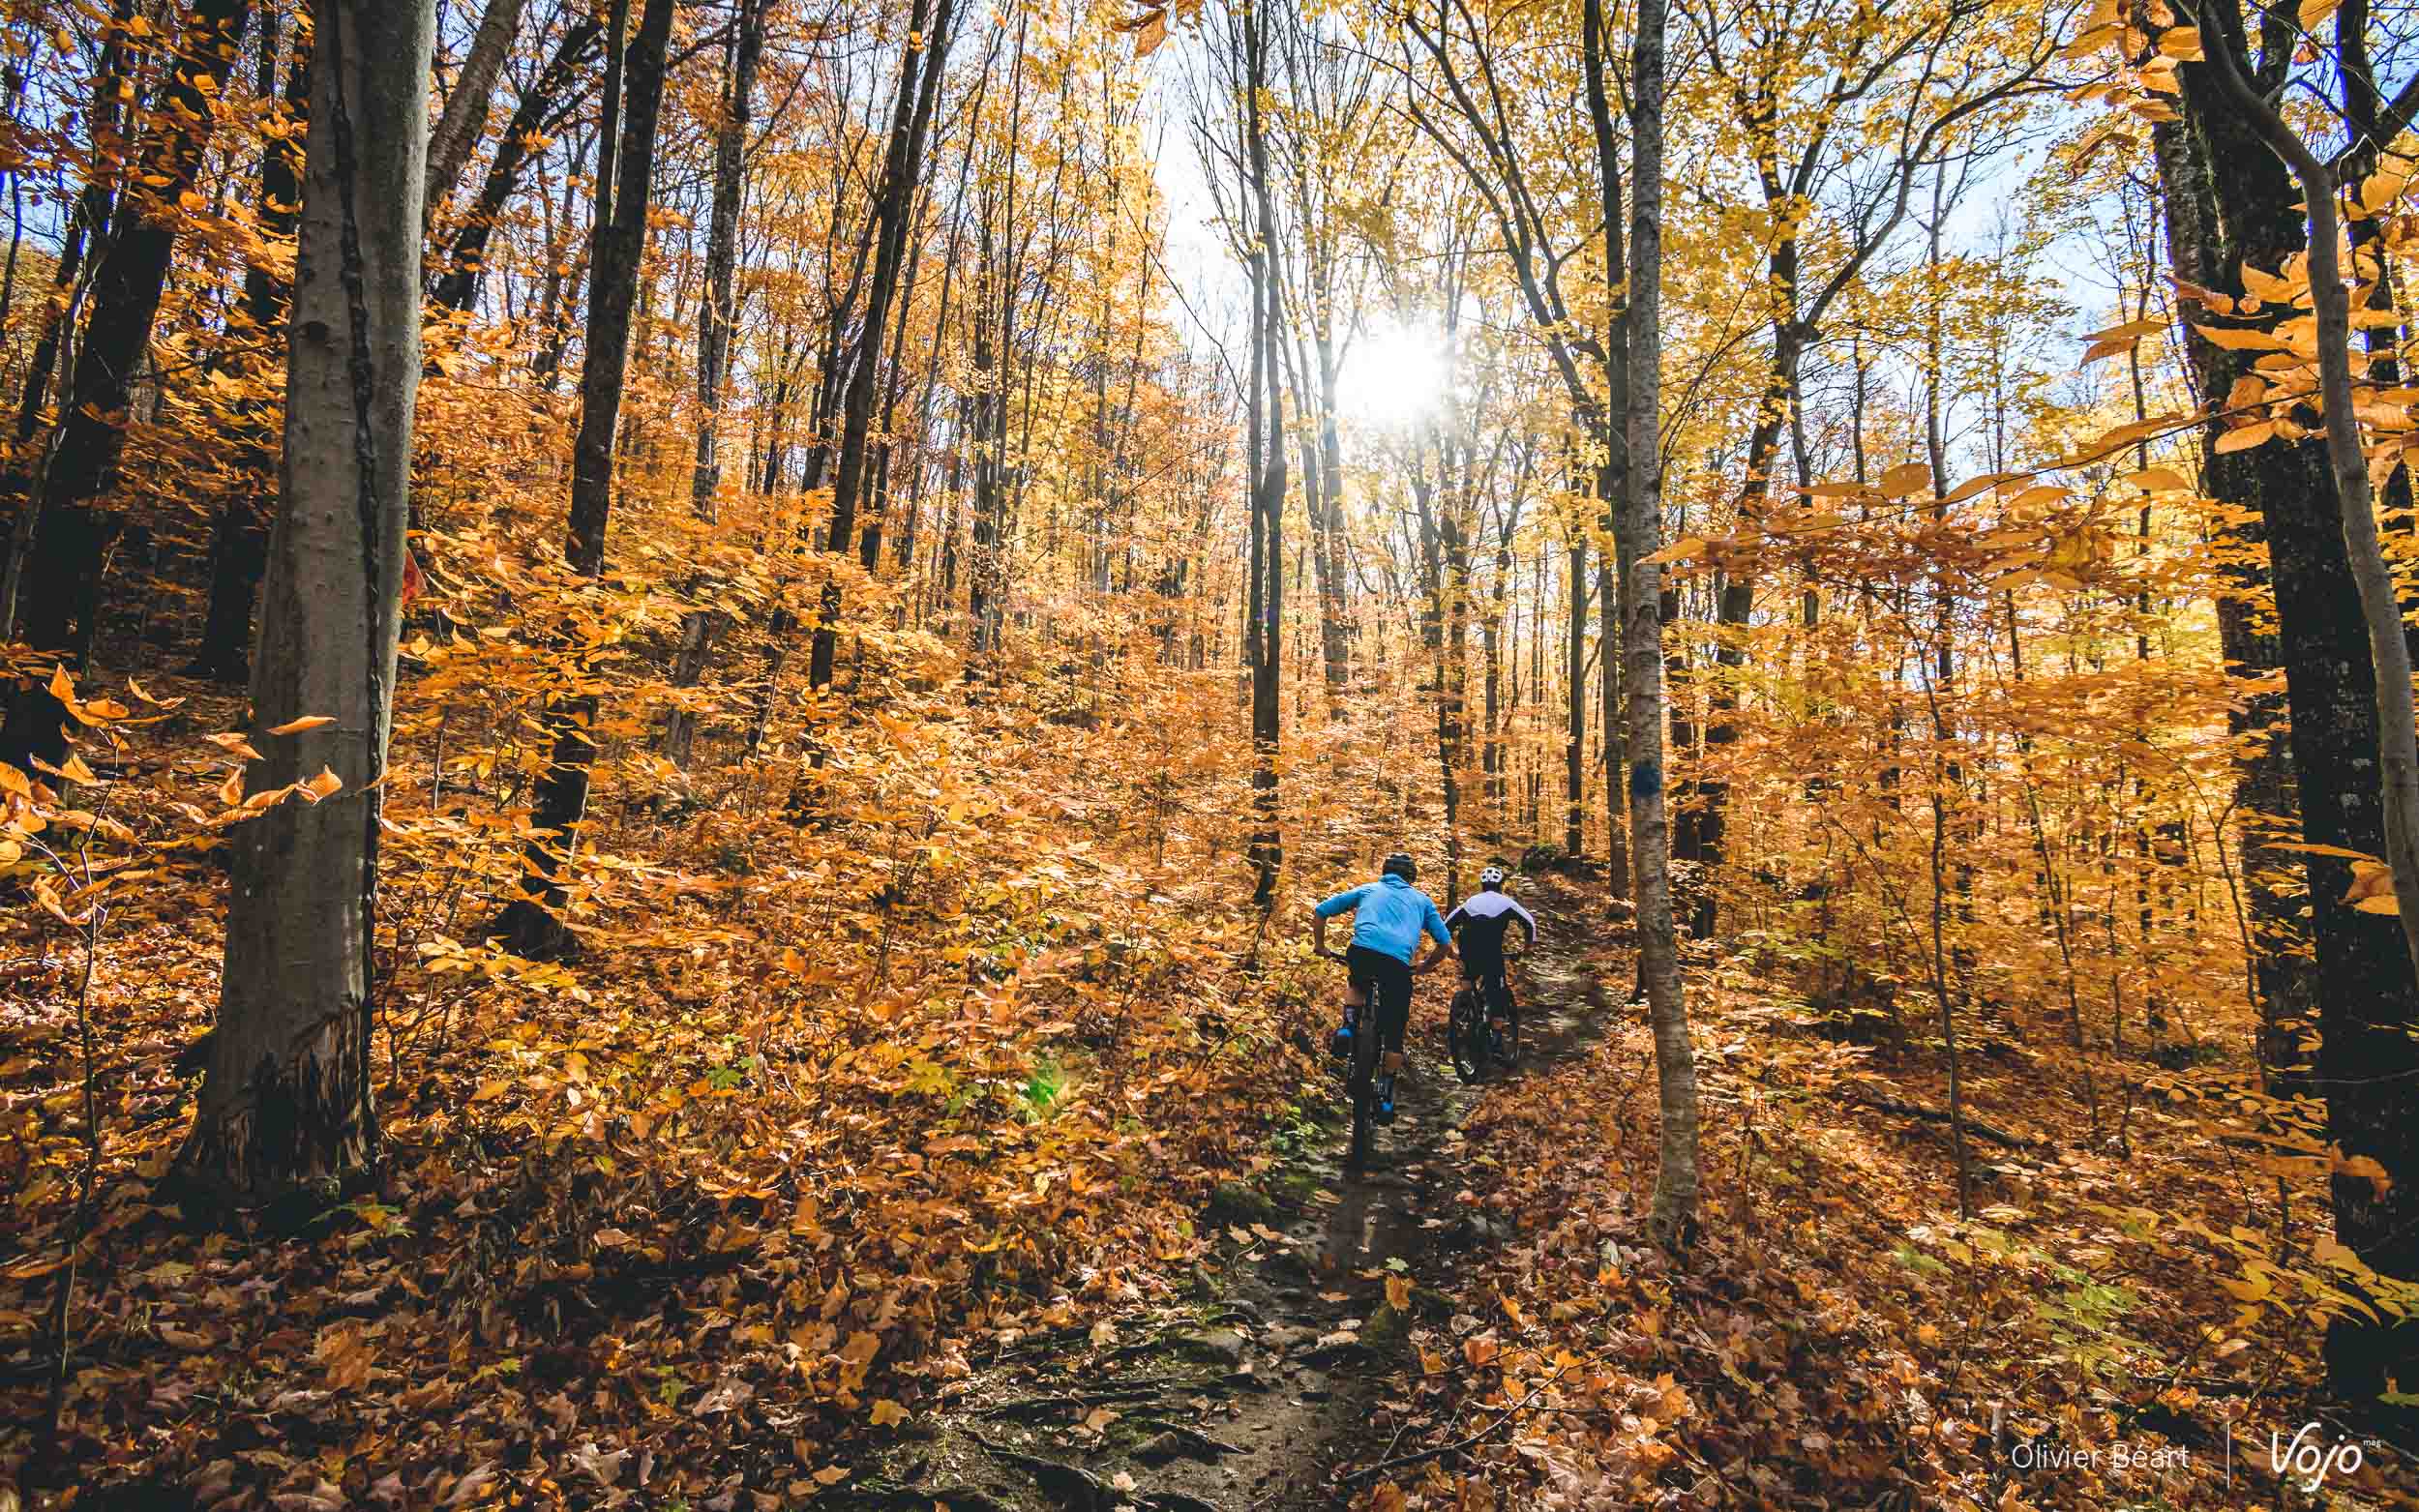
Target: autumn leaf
2243,438
1906,480
2365,1168
2242,339
298,725
2372,889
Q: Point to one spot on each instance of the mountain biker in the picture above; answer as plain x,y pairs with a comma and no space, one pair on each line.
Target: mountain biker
1389,917
1479,926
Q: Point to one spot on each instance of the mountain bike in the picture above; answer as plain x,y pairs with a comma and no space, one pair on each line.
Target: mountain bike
1361,1077
1473,1036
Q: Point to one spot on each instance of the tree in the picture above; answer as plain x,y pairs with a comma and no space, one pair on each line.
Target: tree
285,1103
534,923
240,540
50,592
717,315
1914,78
2347,667
1640,541
922,62
465,117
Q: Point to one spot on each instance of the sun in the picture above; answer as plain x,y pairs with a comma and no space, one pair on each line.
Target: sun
1392,376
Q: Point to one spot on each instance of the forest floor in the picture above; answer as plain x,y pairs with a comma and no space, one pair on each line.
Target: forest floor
1284,1379
1061,1224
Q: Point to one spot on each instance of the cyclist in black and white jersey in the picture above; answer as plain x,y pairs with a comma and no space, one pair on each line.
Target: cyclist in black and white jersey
1478,927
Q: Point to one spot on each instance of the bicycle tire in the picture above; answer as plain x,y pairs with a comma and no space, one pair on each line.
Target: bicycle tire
1364,1085
1465,1030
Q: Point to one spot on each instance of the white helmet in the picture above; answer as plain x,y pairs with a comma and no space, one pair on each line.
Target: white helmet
1492,878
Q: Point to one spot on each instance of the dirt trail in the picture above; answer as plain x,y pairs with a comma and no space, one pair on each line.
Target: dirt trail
1280,1370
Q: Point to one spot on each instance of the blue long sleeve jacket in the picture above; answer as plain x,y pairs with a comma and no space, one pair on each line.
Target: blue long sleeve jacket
1388,915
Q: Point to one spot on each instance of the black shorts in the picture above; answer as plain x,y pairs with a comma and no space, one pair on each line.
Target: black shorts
1494,985
1387,981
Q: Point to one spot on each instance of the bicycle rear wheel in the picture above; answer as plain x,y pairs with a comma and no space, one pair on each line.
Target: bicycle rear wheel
1364,1085
1465,1034
1506,1030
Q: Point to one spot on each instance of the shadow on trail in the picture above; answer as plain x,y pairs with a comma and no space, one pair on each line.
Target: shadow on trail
1388,1210
1289,1358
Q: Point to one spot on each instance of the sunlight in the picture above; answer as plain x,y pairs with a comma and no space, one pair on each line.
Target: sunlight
1392,374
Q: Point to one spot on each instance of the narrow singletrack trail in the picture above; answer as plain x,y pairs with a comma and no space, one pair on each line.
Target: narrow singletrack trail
1281,1376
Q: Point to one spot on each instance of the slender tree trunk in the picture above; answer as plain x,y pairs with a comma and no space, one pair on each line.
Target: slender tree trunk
716,315
1674,1215
465,117
87,224
558,90
1575,712
285,1112
54,582
533,924
1265,637
921,71
239,543
2366,993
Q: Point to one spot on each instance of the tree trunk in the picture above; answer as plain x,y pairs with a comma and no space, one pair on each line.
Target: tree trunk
2366,985
54,580
465,115
920,69
286,1111
1575,679
716,315
86,224
239,541
2283,967
1265,637
533,924
1674,1216
548,103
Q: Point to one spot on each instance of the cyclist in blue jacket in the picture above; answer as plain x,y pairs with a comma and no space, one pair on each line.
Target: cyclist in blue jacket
1389,917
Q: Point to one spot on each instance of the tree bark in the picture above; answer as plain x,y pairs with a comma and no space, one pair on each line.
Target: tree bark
466,111
2368,994
533,924
55,580
2283,966
1674,1216
239,541
286,1111
717,313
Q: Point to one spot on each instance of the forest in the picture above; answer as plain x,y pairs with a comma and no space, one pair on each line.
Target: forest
678,678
